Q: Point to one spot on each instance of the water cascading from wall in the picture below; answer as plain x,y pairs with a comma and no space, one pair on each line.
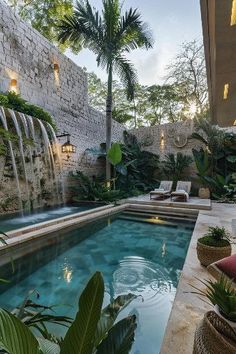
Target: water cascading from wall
5,126
35,162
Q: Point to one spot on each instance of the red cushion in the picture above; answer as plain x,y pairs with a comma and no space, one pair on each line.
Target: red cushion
228,266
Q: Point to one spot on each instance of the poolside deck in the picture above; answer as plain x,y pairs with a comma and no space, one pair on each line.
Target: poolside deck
188,309
193,203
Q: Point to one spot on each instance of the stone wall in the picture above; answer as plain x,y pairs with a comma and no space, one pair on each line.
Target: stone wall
167,138
61,89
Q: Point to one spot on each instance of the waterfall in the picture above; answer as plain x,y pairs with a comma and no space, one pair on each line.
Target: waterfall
30,121
21,147
58,152
50,158
5,126
34,171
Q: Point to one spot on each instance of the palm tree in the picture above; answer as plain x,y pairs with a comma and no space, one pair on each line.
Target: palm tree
109,35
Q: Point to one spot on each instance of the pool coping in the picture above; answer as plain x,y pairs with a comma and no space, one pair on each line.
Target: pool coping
29,233
43,224
188,309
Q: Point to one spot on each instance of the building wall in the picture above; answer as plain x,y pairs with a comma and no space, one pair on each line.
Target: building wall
28,57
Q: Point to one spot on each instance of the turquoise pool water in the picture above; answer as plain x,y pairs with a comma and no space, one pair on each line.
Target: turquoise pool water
143,258
17,220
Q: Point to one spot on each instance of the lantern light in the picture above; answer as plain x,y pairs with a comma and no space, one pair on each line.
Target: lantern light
13,85
67,148
56,67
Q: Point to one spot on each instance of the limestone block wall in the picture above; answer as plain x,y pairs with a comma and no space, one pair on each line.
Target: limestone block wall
51,80
167,138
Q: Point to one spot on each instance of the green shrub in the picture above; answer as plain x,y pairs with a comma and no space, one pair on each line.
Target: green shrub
215,237
3,100
17,103
222,294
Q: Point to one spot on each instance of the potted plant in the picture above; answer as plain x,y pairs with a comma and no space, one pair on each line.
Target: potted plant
214,245
222,295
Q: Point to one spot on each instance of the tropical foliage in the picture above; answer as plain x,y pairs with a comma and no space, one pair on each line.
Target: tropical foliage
17,103
216,160
221,293
134,171
110,35
91,332
174,166
215,237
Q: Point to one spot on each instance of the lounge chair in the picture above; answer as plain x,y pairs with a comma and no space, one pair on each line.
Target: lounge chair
163,191
182,191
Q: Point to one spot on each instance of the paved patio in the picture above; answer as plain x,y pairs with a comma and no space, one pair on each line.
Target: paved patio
193,203
188,309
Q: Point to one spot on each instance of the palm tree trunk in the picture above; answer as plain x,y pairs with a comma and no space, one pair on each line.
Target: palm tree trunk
108,121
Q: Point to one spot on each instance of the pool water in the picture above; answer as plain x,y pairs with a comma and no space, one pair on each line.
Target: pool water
17,220
139,257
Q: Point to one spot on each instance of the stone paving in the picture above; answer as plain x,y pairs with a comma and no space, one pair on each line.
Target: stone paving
188,309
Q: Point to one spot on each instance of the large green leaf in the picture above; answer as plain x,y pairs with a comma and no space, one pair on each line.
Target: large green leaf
115,154
79,338
15,337
109,315
48,347
120,338
231,159
121,168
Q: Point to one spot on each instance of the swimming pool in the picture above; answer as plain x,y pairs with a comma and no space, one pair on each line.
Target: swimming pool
15,221
144,258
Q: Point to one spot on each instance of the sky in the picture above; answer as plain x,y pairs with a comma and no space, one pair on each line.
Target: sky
172,22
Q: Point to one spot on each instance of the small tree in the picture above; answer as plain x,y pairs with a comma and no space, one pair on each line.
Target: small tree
109,36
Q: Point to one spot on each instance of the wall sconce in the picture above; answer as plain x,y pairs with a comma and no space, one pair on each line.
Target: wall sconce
56,67
13,85
233,13
162,141
67,147
234,122
226,91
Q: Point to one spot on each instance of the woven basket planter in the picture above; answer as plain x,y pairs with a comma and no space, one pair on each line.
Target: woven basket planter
214,336
209,254
204,193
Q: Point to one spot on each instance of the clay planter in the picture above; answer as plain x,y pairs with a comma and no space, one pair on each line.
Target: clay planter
209,254
204,193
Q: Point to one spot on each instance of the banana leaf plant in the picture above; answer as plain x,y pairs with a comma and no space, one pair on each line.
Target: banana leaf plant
92,332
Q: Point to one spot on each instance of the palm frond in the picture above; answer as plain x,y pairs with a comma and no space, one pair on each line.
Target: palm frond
111,15
134,33
84,27
127,74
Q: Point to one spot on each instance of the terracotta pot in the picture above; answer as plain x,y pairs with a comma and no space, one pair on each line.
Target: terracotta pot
231,323
209,254
204,193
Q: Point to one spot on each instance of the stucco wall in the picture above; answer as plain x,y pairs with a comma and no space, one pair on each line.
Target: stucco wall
28,57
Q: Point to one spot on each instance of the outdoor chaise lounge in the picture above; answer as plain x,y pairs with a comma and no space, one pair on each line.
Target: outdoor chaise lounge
163,191
182,190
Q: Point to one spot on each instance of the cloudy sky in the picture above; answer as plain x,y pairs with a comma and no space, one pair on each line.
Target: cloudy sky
171,21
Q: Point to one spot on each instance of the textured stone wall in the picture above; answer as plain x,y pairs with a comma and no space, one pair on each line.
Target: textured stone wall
28,57
167,138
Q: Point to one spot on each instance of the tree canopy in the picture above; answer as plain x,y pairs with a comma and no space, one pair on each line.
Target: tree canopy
44,15
182,96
